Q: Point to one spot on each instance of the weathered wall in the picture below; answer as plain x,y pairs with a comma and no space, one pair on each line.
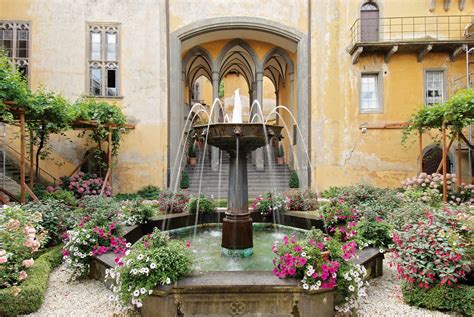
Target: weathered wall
58,62
341,153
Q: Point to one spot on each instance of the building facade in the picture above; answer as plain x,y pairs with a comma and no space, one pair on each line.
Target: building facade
345,69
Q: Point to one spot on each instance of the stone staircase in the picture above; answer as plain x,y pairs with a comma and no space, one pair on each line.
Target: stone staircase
274,178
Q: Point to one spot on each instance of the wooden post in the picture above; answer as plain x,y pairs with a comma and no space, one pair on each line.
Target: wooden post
109,159
445,152
421,152
459,172
31,161
22,157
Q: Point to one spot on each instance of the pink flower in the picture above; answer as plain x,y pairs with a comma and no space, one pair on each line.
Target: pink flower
22,275
50,189
28,262
285,240
297,249
3,259
15,291
188,244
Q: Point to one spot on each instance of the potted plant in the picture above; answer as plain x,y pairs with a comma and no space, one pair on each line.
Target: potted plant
192,155
204,206
281,155
184,184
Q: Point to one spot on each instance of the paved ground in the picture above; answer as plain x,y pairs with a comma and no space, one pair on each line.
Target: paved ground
91,298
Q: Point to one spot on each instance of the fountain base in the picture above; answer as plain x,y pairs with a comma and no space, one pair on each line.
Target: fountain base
237,253
237,234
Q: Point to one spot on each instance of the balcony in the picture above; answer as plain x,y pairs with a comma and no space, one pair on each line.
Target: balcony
420,35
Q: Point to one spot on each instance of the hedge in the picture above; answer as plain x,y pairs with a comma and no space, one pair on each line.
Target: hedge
459,298
33,288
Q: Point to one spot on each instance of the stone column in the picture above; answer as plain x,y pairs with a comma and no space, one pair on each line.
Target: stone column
259,158
215,118
291,123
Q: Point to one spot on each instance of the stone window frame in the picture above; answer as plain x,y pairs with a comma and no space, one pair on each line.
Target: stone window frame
103,28
380,108
445,82
16,25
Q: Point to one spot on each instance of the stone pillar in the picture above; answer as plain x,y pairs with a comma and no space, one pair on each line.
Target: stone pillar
259,158
215,118
277,103
291,123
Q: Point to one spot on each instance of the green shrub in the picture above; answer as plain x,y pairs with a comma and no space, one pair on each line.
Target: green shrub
98,210
191,151
206,205
294,181
459,298
162,260
57,218
136,211
301,200
149,192
184,184
65,196
373,234
31,296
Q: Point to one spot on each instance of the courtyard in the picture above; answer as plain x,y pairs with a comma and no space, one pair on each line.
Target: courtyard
236,158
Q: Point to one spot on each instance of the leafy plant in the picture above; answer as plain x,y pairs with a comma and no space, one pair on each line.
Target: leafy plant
137,211
281,152
57,218
13,87
338,211
294,181
21,235
184,184
192,151
103,114
441,297
155,260
431,251
97,211
301,200
170,202
87,240
373,234
48,114
202,204
84,185
268,203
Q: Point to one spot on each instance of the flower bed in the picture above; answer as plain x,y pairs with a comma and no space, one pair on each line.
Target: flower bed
31,294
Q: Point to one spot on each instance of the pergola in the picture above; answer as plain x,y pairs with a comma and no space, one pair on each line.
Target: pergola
19,119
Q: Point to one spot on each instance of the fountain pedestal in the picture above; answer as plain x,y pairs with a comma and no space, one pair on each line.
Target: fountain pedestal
238,139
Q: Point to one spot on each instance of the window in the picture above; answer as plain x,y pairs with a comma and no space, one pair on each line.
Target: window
103,61
369,93
14,39
434,87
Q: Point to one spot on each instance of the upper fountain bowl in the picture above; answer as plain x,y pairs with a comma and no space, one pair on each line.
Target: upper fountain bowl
250,136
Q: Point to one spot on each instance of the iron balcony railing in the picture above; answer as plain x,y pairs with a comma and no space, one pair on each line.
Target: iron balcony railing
412,29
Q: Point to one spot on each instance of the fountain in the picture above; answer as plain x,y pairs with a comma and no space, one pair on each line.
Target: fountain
238,139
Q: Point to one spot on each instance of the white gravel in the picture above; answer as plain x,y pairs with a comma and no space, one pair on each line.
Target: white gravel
75,298
385,298
91,298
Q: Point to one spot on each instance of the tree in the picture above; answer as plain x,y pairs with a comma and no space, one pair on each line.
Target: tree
294,180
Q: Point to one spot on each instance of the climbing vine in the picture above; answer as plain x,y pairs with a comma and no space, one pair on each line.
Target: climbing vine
456,113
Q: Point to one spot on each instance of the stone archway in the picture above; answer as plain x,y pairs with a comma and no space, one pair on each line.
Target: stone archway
208,30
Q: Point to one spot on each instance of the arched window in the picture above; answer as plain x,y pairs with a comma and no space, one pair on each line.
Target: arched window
369,22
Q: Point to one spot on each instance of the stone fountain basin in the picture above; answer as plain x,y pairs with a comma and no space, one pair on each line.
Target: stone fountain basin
251,136
243,293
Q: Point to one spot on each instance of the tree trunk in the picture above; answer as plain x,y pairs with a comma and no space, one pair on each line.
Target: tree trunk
38,151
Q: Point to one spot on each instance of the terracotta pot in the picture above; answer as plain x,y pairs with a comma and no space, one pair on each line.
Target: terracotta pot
193,161
281,160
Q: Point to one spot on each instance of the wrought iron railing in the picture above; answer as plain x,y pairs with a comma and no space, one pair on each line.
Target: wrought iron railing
411,29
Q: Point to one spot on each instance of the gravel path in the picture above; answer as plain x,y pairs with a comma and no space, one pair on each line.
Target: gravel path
385,298
91,298
83,298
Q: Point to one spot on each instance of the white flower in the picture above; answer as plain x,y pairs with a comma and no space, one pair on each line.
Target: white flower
128,245
303,254
153,266
139,304
143,290
305,286
351,288
150,292
136,293
313,287
334,275
140,257
168,280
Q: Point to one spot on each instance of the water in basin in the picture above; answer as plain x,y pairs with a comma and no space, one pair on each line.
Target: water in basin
206,247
